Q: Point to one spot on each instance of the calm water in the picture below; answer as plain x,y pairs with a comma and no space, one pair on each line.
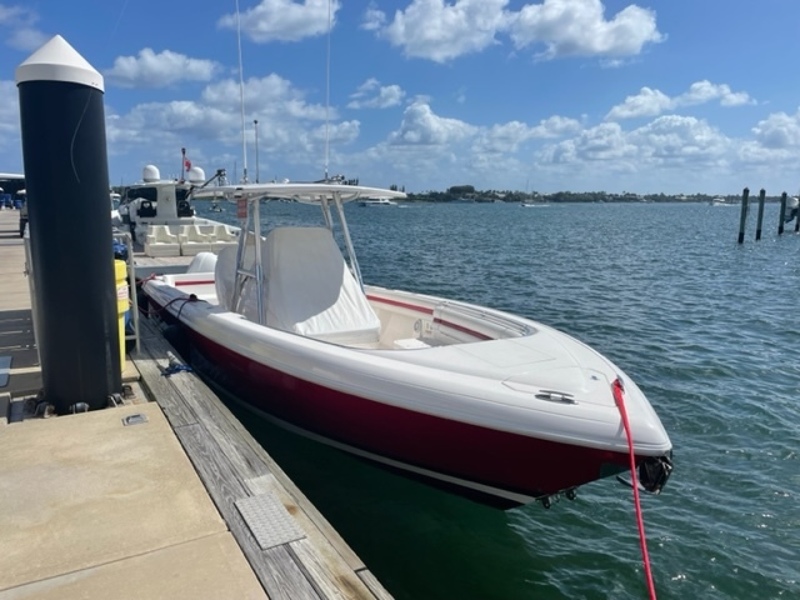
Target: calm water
709,329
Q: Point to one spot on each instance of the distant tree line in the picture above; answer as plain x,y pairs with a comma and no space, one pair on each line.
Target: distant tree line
461,193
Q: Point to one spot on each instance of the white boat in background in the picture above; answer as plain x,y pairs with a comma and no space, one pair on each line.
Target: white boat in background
490,405
159,214
377,202
720,201
792,208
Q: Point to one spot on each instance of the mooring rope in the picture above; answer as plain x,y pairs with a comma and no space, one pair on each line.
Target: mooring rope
619,393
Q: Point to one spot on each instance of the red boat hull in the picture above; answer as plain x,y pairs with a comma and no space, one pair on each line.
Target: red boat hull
492,466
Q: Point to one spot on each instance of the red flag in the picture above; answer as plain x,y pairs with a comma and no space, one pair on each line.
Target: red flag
187,164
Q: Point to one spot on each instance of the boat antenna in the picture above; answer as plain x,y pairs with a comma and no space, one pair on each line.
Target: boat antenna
241,92
328,94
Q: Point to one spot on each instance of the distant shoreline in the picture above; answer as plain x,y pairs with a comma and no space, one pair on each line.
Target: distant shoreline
443,198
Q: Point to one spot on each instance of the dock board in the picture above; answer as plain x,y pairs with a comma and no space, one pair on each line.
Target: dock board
291,547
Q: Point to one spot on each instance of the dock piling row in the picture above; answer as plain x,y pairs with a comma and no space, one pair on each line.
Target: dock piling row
783,217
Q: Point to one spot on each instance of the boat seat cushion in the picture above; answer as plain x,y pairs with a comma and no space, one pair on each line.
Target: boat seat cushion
160,242
193,241
203,262
225,277
311,291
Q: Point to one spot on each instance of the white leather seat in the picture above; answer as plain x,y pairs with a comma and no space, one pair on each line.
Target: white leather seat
161,242
311,291
223,238
192,241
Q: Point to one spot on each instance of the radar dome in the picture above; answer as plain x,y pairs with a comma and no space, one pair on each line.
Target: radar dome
150,174
197,175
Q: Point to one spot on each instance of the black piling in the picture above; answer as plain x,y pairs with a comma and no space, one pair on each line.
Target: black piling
782,216
66,176
761,197
743,217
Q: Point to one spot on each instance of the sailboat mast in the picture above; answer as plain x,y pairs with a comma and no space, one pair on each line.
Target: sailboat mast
241,92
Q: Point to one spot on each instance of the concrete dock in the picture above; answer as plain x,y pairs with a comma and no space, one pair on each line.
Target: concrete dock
164,496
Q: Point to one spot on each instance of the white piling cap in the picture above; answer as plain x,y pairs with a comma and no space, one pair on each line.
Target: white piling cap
58,61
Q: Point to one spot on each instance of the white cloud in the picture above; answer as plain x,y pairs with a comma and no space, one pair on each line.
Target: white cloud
9,14
705,91
506,138
555,127
27,39
373,18
421,126
9,115
371,94
669,142
579,28
159,70
291,130
264,96
650,103
687,142
440,32
23,35
647,103
670,153
283,20
779,131
604,142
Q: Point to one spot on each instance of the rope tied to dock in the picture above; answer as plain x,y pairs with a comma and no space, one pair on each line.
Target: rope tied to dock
618,391
174,366
172,369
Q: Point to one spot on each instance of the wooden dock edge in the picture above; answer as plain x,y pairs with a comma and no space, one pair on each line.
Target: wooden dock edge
233,467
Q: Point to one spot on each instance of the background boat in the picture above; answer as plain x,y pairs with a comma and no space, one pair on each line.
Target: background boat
377,202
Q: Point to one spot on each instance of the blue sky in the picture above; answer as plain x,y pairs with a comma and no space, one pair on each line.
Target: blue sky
582,95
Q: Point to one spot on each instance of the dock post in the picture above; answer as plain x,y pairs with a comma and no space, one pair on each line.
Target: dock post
760,219
782,213
66,175
743,217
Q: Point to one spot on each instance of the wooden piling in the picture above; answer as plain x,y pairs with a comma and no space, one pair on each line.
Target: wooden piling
760,219
782,216
743,217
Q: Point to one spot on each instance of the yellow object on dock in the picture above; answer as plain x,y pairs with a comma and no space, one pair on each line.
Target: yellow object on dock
123,304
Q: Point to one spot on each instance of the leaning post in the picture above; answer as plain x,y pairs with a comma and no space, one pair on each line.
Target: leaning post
760,219
66,175
743,217
782,213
